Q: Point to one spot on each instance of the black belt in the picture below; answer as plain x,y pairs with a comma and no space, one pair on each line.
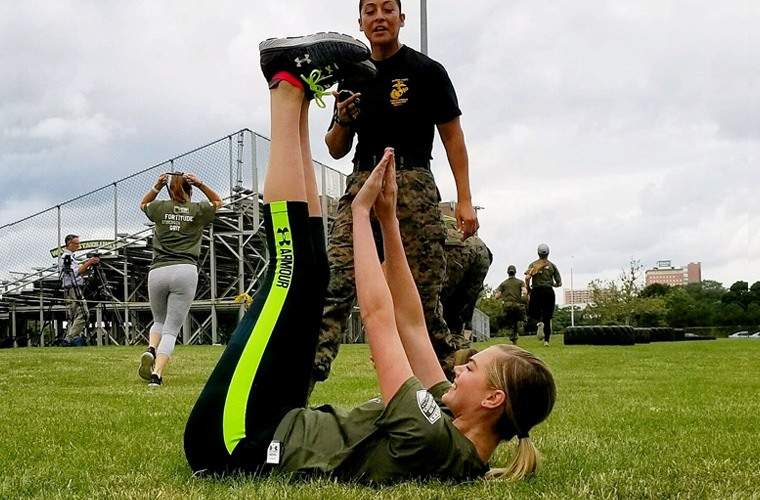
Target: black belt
403,162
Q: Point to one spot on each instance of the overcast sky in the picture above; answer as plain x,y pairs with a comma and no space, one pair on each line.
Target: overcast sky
608,129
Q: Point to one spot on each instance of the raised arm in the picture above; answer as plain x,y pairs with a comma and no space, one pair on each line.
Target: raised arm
151,195
375,302
407,307
212,196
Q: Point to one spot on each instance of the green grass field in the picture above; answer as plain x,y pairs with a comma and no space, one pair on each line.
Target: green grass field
649,421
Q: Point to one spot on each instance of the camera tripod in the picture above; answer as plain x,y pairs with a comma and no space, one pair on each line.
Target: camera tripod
67,271
101,293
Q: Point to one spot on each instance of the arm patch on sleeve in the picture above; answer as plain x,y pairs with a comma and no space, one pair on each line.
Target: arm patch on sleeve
428,406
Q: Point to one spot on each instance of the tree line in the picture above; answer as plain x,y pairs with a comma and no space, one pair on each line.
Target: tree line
626,301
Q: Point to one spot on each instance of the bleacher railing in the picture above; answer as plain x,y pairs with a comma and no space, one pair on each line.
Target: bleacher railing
111,213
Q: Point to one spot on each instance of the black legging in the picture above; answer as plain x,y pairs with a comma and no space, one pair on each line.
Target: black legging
541,308
265,370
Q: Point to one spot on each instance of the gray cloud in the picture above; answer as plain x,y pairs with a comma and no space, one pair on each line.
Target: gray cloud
610,130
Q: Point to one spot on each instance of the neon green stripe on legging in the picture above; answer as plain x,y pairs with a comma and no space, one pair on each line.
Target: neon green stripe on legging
233,423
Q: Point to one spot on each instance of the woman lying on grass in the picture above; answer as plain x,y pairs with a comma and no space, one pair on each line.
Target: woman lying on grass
251,414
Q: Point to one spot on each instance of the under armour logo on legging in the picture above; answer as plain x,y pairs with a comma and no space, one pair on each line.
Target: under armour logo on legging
283,232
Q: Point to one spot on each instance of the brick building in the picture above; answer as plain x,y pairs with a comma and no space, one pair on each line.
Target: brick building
665,273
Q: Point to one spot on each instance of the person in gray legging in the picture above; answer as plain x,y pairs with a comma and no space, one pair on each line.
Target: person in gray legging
173,275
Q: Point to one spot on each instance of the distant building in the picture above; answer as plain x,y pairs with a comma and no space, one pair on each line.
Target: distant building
448,208
577,297
665,273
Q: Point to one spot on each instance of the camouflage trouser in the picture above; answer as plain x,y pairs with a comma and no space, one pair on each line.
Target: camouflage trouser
466,268
423,235
514,312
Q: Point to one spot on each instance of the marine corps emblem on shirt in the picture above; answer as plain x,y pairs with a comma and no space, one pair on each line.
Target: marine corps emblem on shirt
398,90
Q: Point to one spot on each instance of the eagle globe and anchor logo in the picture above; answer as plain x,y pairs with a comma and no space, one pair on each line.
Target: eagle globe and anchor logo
398,89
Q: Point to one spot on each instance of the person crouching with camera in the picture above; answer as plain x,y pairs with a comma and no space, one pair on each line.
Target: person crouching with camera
173,275
72,278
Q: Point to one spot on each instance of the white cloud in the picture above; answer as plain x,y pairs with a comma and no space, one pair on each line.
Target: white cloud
611,130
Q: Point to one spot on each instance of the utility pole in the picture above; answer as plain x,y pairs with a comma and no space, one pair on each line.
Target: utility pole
572,294
423,27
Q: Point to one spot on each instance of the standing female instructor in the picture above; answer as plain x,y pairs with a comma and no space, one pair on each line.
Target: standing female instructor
173,275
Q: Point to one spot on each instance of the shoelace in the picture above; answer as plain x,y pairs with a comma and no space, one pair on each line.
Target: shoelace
313,81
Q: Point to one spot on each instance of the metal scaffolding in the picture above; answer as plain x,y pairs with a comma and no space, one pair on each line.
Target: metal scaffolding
233,252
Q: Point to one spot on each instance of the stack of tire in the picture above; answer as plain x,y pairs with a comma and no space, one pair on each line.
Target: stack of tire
642,335
667,334
626,335
600,335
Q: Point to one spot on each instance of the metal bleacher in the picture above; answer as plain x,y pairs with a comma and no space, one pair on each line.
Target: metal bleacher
109,222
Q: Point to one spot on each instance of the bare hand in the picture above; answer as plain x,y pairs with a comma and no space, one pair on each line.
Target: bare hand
192,179
348,109
385,204
161,181
369,192
467,219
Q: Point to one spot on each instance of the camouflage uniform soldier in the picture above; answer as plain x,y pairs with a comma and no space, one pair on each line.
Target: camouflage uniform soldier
401,107
540,278
467,264
511,292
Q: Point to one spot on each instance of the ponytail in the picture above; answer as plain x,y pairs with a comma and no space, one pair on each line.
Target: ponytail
525,463
180,190
530,394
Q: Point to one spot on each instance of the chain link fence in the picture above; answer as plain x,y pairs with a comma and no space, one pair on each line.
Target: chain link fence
234,163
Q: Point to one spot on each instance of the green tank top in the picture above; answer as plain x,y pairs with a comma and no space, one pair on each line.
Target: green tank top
412,437
178,230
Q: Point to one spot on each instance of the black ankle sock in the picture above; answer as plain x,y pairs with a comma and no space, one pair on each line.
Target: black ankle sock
152,350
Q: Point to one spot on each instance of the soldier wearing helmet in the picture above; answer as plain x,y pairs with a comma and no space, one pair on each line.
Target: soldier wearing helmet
540,279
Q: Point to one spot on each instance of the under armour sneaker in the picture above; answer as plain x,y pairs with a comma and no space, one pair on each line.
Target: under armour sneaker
147,361
316,60
155,380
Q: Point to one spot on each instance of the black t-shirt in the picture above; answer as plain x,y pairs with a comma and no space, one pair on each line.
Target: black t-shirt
401,105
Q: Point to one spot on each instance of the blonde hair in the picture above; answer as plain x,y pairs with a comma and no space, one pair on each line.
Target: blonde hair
530,393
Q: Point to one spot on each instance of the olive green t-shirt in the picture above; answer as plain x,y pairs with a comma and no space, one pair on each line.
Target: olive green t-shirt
511,290
545,274
178,230
412,437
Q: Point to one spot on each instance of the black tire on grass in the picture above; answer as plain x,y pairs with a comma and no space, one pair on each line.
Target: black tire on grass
642,335
663,334
678,334
599,335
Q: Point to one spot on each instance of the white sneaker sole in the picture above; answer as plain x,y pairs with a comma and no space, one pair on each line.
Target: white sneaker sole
146,365
305,41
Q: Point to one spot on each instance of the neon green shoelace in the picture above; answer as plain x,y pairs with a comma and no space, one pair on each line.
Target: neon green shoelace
313,81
